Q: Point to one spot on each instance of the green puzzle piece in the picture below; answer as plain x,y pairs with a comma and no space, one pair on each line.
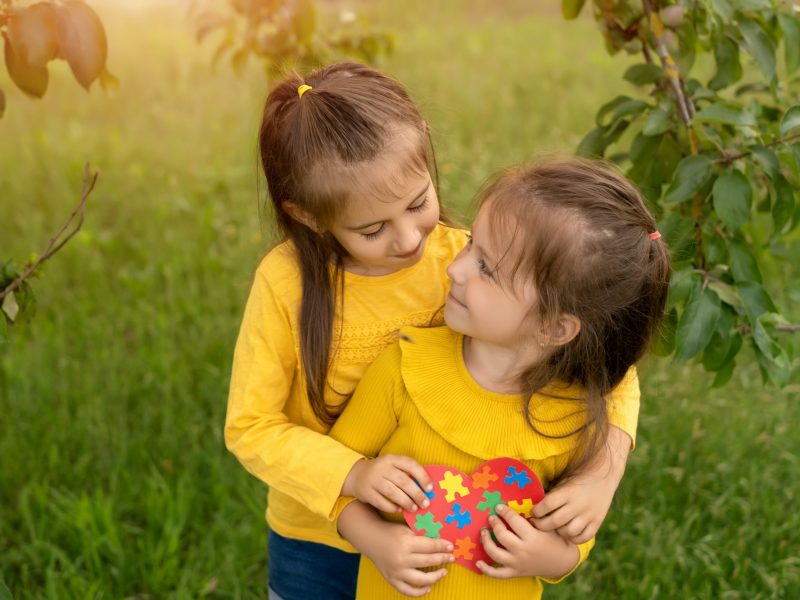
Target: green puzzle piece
427,523
491,499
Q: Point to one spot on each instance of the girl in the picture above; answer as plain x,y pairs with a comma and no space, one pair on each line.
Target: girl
553,300
348,164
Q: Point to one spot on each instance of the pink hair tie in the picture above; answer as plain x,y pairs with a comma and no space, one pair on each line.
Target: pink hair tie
655,235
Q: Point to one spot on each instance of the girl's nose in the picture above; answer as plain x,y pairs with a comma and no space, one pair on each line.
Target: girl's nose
410,240
455,270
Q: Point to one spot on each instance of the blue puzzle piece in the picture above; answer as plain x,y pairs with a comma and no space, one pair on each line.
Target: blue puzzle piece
521,478
430,494
460,517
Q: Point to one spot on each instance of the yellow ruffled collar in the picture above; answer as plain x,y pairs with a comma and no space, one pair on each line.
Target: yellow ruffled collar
477,421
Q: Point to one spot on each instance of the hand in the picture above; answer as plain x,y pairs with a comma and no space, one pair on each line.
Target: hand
576,508
388,483
525,551
401,554
396,551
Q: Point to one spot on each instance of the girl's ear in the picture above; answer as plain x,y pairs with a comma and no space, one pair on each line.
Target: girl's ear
564,330
300,215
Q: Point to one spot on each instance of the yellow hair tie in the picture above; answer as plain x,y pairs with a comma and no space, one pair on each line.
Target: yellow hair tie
303,89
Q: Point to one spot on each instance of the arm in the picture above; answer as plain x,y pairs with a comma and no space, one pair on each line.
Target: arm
296,460
396,551
577,507
527,551
387,482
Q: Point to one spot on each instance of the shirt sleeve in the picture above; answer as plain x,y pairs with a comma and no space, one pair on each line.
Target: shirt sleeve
371,416
307,465
623,405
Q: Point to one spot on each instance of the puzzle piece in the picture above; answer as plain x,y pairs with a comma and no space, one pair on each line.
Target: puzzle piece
483,478
524,508
490,501
430,494
464,548
520,477
427,523
460,517
452,485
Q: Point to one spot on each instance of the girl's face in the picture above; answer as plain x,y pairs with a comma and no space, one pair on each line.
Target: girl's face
479,305
387,232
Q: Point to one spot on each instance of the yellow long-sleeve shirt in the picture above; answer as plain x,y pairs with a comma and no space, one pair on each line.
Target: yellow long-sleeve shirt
419,400
270,425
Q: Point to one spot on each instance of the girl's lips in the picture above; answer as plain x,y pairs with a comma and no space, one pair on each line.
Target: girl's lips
454,300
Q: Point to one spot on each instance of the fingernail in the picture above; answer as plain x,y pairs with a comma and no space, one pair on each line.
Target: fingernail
492,519
425,503
449,547
413,508
429,487
500,508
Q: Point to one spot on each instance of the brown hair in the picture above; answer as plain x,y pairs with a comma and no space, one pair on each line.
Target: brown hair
589,253
311,148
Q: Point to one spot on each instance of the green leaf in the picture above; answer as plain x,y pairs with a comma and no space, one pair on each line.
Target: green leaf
593,143
727,113
744,266
643,74
724,9
782,205
630,107
755,298
726,292
729,69
732,199
697,323
609,107
82,40
724,374
760,47
717,350
767,159
571,8
692,174
771,357
10,306
790,120
678,232
791,40
682,285
657,122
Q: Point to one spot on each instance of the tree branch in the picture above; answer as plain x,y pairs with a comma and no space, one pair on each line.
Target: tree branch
729,158
55,244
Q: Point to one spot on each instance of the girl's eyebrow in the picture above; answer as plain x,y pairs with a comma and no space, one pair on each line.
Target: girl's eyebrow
419,195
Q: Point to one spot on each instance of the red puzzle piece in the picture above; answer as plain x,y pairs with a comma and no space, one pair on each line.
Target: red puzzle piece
461,504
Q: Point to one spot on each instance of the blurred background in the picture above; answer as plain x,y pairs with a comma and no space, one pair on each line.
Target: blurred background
114,479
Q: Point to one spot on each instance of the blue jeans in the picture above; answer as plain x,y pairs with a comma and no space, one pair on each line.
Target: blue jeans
301,570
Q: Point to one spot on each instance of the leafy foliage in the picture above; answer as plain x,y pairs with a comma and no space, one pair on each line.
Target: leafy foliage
285,33
36,34
715,153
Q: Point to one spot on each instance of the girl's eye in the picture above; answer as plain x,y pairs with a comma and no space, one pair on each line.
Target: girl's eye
484,268
376,233
419,207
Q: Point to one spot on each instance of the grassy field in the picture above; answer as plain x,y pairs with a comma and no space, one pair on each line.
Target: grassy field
114,479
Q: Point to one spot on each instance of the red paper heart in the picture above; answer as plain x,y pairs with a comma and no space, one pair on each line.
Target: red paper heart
461,504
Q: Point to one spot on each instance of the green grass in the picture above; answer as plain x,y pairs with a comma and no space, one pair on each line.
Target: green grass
114,480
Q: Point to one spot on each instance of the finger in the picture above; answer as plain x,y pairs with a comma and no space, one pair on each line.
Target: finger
584,536
496,572
408,590
382,503
554,520
552,501
392,493
518,524
495,552
409,487
503,534
420,561
573,528
418,579
426,545
415,470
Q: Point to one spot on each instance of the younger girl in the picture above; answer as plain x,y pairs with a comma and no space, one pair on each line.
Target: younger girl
348,164
553,300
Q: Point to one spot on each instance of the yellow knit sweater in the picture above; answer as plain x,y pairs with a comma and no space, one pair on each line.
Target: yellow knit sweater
418,399
270,426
